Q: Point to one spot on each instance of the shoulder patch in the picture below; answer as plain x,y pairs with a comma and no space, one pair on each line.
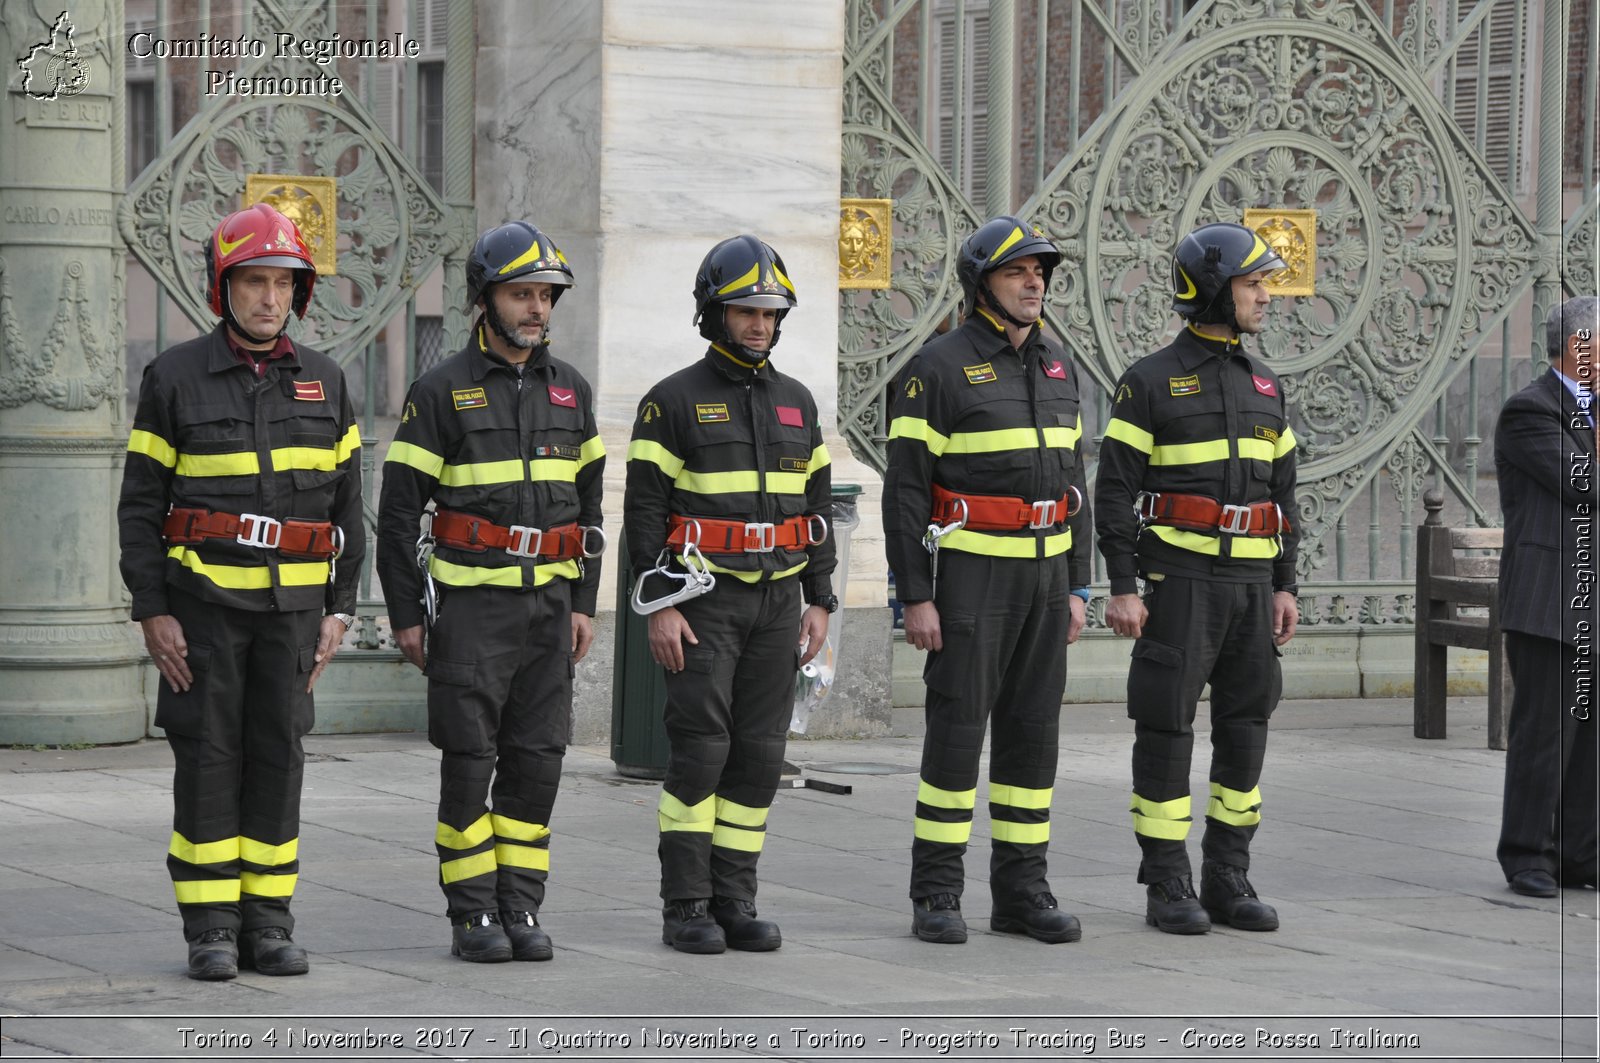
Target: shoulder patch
1184,385
1124,392
914,387
706,412
410,412
470,398
650,412
980,374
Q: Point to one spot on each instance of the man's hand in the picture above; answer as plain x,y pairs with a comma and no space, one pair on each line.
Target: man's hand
813,632
1285,616
328,642
582,636
409,639
668,632
1127,615
1080,611
922,626
163,637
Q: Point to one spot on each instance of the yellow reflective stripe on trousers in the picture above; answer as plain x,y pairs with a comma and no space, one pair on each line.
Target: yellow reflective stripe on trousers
462,868
592,450
672,814
259,885
1130,434
220,851
239,463
503,576
1020,796
1004,830
269,855
917,428
206,891
973,542
1234,807
476,834
348,446
946,833
518,830
482,473
252,577
656,454
534,858
930,795
1167,820
745,841
424,461
1200,543
153,447
740,815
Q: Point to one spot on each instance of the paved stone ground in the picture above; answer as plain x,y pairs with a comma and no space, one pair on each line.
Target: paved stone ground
1377,848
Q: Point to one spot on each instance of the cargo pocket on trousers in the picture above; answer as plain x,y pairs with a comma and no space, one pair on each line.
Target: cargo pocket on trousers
449,727
302,709
950,670
1155,685
185,713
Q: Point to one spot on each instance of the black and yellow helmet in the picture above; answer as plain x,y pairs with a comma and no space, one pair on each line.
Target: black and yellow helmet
1205,264
740,271
996,242
516,251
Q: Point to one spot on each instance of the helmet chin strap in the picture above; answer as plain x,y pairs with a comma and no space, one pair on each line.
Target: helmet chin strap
986,298
233,319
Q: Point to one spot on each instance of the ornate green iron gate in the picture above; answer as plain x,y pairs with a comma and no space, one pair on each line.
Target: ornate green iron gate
1139,119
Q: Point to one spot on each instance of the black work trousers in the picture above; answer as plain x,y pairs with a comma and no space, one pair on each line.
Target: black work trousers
1548,821
727,720
1200,631
1004,624
499,708
237,763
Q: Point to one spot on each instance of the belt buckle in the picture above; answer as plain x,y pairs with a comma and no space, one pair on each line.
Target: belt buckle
816,529
525,541
766,537
1235,520
1145,503
1044,513
256,530
586,534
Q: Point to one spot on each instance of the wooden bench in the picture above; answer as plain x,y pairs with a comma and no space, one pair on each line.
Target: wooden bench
1453,571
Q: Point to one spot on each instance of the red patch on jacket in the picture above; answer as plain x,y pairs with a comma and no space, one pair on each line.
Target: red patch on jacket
309,391
563,396
1266,387
1056,370
791,416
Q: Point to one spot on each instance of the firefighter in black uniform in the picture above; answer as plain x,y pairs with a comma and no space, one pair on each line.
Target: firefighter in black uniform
1195,493
986,531
727,472
501,438
240,523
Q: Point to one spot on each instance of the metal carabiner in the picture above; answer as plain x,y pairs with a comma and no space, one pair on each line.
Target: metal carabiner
697,580
816,529
584,534
937,531
430,593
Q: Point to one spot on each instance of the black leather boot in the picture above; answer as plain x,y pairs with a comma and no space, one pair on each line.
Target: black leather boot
214,956
938,919
270,950
741,927
1226,894
687,927
480,939
1038,916
528,939
1172,907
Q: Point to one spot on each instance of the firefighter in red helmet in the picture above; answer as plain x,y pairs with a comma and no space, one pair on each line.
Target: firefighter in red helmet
241,534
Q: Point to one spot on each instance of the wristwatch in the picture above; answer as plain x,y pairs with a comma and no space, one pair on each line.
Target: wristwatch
830,602
347,619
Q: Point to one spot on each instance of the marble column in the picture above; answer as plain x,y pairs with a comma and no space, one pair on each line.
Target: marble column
638,138
69,660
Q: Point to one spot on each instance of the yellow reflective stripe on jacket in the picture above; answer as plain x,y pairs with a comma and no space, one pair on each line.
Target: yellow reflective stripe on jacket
258,885
482,473
269,855
930,795
972,542
463,868
534,858
239,463
1020,796
505,576
740,481
750,577
316,459
656,454
518,830
1190,453
476,834
424,461
1004,830
206,891
221,851
919,429
994,440
1234,807
153,447
947,833
592,450
740,815
560,470
1130,434
1062,437
252,577
1201,543
349,445
819,459
1286,442
673,814
1257,449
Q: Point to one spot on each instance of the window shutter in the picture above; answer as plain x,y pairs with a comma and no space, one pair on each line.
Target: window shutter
1506,77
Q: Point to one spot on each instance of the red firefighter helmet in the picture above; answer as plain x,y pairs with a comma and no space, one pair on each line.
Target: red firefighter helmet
262,236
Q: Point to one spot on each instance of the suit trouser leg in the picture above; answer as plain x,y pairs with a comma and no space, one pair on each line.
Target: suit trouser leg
1542,759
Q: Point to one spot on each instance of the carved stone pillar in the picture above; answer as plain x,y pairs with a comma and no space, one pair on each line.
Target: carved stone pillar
69,660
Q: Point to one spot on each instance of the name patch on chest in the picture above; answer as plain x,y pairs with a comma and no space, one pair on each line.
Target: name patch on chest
1263,432
793,464
470,398
980,374
559,450
309,391
1184,385
706,412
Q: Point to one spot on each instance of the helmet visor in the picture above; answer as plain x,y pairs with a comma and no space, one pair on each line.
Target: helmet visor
775,302
288,261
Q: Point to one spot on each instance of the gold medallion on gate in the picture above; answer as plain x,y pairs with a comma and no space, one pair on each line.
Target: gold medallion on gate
310,202
865,240
1293,235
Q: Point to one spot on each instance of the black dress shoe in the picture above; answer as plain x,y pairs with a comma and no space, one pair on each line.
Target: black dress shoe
271,951
214,956
528,939
1227,896
1038,916
938,919
1533,882
480,939
1172,907
687,926
741,927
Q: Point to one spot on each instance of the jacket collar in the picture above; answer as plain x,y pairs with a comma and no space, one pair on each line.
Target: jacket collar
988,335
481,360
222,358
726,362
1193,349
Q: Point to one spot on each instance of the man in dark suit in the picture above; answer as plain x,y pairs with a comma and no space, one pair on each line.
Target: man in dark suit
1544,456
